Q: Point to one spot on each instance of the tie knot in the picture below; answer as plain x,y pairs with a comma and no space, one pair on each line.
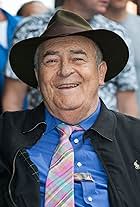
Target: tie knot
66,130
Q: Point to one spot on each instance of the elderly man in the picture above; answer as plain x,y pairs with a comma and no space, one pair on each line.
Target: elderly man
115,93
70,150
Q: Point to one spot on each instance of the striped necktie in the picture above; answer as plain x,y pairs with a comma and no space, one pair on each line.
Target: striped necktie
60,180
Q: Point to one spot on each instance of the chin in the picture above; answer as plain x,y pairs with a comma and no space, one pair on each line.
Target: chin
102,10
69,107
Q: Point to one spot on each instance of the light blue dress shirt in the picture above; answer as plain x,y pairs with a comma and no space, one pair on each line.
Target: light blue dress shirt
87,193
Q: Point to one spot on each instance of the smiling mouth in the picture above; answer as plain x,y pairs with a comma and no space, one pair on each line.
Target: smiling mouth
68,86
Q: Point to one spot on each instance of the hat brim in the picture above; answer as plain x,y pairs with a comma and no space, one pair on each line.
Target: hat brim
115,53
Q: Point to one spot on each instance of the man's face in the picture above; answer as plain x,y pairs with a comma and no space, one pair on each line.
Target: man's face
118,4
98,6
67,74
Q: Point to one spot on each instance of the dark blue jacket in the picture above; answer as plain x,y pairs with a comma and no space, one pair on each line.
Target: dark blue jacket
115,137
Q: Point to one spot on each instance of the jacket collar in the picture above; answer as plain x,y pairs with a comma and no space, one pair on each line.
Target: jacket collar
32,125
34,118
105,124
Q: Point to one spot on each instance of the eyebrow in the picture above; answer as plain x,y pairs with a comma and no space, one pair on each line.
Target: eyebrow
51,52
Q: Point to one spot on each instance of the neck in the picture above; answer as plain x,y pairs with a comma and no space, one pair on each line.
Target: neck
117,15
75,116
79,8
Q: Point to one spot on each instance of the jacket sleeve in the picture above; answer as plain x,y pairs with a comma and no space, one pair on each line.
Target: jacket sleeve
4,172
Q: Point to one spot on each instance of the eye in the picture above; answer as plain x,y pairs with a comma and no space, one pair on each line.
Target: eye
50,61
78,59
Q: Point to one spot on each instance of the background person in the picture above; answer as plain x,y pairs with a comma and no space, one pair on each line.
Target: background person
117,12
8,24
32,8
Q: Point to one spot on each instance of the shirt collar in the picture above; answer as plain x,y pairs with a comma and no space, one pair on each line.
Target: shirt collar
87,123
52,121
105,125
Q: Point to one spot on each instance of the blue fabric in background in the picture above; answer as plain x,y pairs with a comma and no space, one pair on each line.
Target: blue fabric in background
11,26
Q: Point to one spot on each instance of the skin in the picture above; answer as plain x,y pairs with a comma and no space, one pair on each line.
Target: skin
118,4
2,16
14,94
117,10
124,104
86,8
69,78
33,8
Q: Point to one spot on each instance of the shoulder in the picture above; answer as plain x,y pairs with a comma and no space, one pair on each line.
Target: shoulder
127,123
11,122
127,135
134,17
32,26
107,23
12,117
18,18
126,117
129,73
101,22
17,119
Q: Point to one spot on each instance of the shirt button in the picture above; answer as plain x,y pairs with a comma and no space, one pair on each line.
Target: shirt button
79,164
90,198
76,141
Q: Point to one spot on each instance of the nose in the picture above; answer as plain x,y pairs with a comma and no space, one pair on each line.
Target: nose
66,69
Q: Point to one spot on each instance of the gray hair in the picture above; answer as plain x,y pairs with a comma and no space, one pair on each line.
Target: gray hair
36,59
99,56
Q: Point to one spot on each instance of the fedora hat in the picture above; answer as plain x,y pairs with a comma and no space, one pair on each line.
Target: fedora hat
66,23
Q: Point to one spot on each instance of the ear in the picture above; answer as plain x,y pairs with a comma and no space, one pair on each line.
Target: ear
102,69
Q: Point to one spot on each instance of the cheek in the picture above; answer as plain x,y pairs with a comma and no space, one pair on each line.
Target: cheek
91,74
92,81
44,82
45,77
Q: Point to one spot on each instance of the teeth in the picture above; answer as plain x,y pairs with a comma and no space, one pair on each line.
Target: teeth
68,86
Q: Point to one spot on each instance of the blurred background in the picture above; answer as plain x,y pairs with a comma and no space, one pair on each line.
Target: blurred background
132,7
15,5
